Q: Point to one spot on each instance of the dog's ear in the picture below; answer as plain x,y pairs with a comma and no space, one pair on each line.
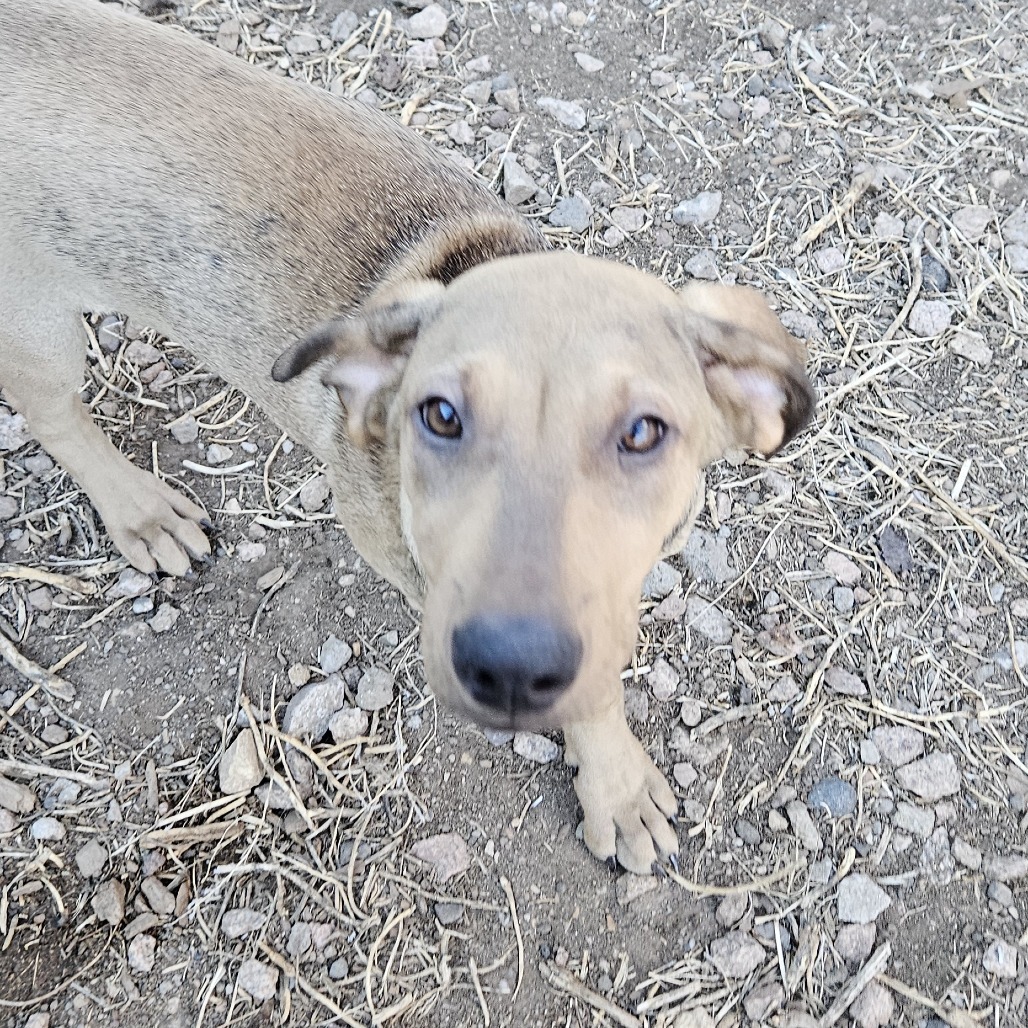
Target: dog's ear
368,354
753,368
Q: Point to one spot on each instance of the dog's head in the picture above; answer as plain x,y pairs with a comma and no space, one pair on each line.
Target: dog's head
551,415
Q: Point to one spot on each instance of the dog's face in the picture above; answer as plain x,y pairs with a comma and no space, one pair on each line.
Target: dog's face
552,415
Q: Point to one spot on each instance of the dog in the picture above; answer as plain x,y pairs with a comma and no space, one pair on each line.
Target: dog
513,435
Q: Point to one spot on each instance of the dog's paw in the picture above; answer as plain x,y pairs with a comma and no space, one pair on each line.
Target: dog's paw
151,524
626,803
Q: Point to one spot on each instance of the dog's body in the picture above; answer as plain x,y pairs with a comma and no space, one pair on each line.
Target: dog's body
521,433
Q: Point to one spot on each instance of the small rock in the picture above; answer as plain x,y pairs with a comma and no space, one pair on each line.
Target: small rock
861,899
637,705
141,953
335,655
829,259
929,318
934,274
844,682
165,618
38,1020
535,747
763,1001
130,583
300,941
447,854
1006,869
573,212
631,887
1000,959
242,921
670,608
895,550
344,26
375,689
898,745
257,979
700,210
931,778
518,185
142,354
691,712
91,859
1015,228
428,23
971,346
302,43
497,736
695,1018
14,432
855,942
841,568
703,265
218,454
731,909
663,680
338,969
158,895
1017,258
936,861
47,829
685,774
915,820
628,219
248,551
15,797
314,493
888,226
590,65
707,620
1001,894
972,221
803,827
108,902
839,798
449,913
348,723
310,710
706,557
570,115
7,822
874,1007
240,769
421,56
661,580
736,954
869,752
9,507
966,854
842,597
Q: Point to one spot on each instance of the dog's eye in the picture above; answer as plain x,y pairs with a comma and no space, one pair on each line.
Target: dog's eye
645,434
440,418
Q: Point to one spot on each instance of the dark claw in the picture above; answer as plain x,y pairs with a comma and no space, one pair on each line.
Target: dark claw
206,558
190,575
673,820
657,869
673,861
612,864
206,524
574,770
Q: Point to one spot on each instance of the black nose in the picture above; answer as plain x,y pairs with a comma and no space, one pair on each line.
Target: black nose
515,664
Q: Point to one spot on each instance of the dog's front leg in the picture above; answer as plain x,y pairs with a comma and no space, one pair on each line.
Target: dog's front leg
626,801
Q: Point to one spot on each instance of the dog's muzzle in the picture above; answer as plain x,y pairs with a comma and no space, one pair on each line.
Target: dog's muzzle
515,665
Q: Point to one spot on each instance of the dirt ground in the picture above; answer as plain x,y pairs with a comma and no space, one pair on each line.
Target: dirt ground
847,726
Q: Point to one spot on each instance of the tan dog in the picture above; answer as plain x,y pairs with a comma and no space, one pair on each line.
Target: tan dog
513,436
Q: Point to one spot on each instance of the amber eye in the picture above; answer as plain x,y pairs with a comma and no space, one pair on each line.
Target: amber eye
440,418
645,434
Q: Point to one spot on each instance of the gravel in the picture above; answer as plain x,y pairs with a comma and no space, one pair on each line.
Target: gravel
47,829
898,745
861,899
874,1007
701,209
567,113
242,921
574,212
141,952
535,747
447,854
308,713
931,778
108,902
736,954
240,768
839,798
429,23
257,979
334,656
1000,959
803,826
91,859
662,579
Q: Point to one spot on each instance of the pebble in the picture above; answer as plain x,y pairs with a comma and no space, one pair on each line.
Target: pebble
108,902
707,620
670,608
257,979
973,221
1000,959
934,274
844,682
165,618
803,827
1017,258
91,859
663,680
158,895
142,605
240,769
971,346
637,705
428,23
861,899
498,736
662,579
141,953
936,860
334,656
589,64
1015,228
217,453
841,568
7,822
518,185
966,854
869,752
573,212
763,1001
929,318
338,969
533,746
449,913
931,778
731,909
348,723
447,854
829,259
310,710
747,831
839,798
130,583
703,265
888,226
14,433
705,555
776,822
1006,869
248,551
47,829
1001,894
915,820
15,797
628,219
736,954
695,1018
142,354
241,921
685,774
842,597
375,689
874,1007
570,115
344,26
314,493
9,506
631,887
691,712
699,210
898,745
855,942
38,1020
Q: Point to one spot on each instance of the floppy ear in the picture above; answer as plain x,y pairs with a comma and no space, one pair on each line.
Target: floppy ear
368,354
754,370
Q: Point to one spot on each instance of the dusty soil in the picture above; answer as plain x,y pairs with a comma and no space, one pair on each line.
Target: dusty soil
871,161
